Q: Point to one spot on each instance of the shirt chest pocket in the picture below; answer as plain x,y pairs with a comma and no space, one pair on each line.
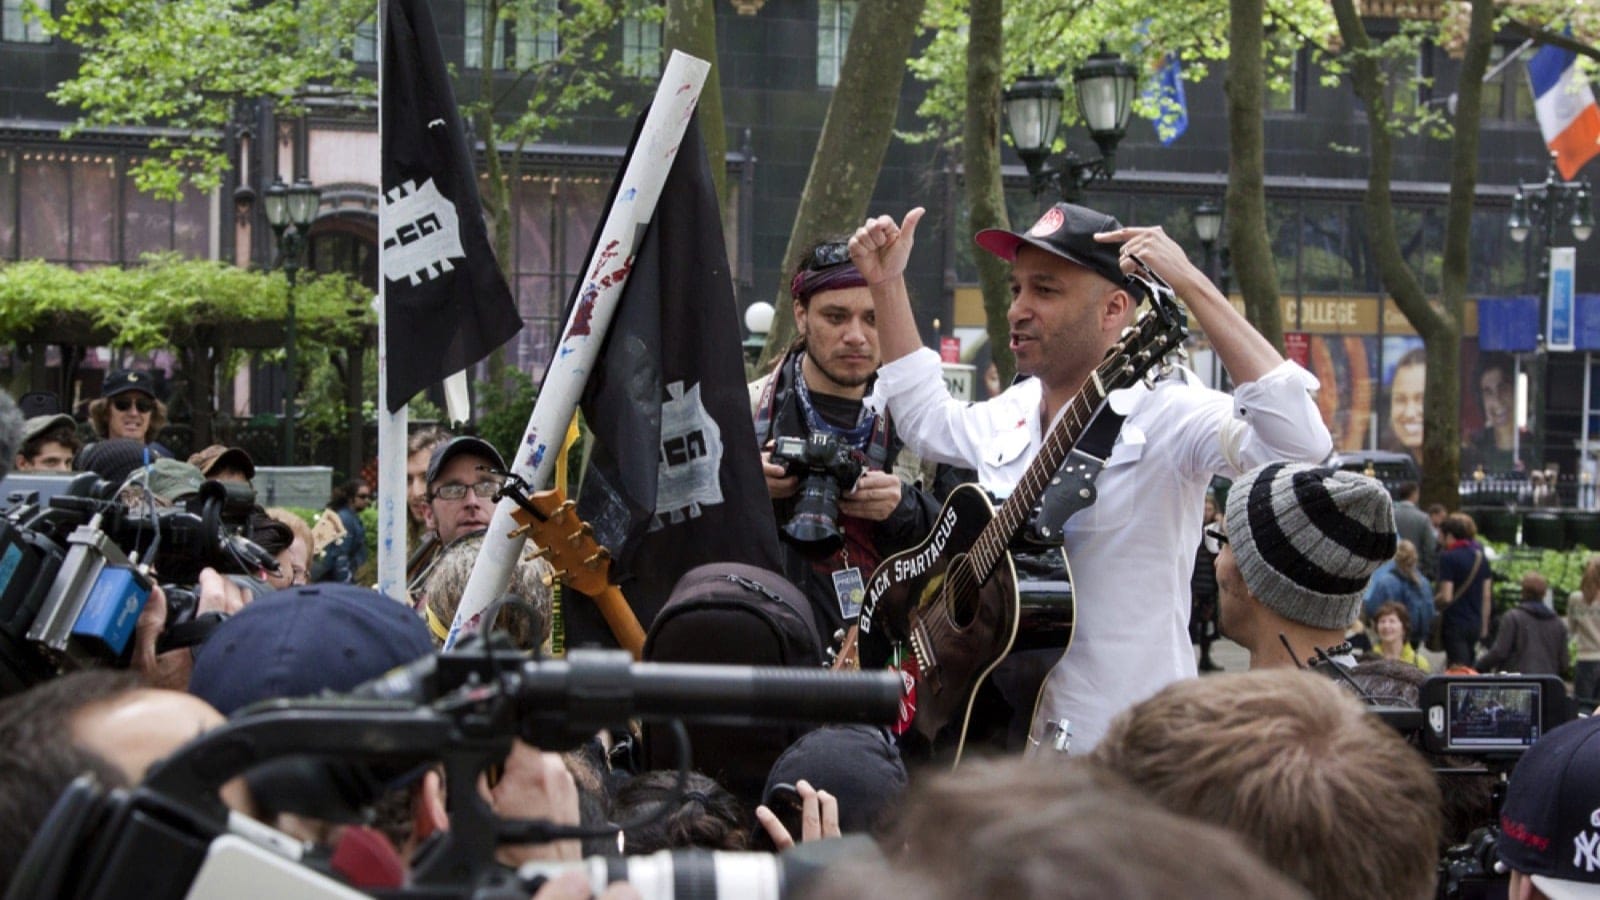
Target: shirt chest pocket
1118,492
1006,449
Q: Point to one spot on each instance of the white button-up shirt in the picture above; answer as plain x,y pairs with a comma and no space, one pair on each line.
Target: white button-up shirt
1131,553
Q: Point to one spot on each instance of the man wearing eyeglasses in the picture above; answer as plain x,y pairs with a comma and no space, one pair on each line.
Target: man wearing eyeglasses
816,391
463,475
1131,552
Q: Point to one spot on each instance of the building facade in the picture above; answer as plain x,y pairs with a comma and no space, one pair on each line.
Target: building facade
73,202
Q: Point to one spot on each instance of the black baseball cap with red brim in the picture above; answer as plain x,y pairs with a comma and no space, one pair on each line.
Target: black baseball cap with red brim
1065,230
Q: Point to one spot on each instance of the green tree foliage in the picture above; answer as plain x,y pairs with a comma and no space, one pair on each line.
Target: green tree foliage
1043,36
181,65
162,302
1051,36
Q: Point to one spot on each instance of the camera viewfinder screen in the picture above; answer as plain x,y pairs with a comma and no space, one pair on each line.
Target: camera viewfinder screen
1493,715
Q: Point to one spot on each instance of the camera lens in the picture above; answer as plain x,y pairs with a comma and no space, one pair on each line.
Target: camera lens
815,523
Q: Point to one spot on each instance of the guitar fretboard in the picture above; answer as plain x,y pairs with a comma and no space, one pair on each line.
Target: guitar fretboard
991,544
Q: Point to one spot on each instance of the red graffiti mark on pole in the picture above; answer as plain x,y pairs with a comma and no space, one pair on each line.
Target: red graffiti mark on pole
606,255
617,276
583,314
684,87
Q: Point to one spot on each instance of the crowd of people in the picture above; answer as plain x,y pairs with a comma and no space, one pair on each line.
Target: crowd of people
1281,779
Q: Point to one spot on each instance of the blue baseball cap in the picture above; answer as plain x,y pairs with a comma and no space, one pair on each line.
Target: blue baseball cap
302,641
1550,823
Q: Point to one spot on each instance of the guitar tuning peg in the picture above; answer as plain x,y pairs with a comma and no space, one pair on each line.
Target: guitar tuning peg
601,556
521,532
539,553
561,575
560,512
585,530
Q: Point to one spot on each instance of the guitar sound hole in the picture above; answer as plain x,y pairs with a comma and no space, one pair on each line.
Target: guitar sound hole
961,588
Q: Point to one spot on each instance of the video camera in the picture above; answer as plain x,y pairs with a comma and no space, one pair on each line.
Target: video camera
172,836
75,572
1492,719
826,466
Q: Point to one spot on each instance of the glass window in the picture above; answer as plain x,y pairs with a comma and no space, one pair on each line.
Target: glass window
365,49
1286,91
8,203
833,37
472,36
19,25
94,209
641,47
191,224
537,40
146,223
45,200
1324,260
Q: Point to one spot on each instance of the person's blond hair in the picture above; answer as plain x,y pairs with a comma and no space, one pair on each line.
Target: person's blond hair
296,524
1590,585
1320,788
528,625
1405,560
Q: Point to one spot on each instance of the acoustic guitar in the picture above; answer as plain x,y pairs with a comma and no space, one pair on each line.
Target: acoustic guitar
946,612
580,563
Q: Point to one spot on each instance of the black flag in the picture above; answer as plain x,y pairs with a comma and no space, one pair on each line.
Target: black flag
675,475
447,303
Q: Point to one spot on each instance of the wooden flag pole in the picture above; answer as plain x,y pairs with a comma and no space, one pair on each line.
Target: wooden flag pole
575,352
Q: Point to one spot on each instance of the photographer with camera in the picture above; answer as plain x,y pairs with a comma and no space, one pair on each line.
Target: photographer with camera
829,461
1550,824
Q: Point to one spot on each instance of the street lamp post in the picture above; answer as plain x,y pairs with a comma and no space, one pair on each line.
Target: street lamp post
1208,227
290,211
1541,206
1104,86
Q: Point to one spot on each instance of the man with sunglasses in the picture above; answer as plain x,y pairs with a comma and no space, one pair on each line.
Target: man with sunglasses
127,408
1132,551
816,390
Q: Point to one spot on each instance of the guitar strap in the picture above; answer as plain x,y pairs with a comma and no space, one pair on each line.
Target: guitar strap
1073,486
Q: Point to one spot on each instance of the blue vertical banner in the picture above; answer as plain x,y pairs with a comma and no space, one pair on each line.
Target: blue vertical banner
1167,95
1561,316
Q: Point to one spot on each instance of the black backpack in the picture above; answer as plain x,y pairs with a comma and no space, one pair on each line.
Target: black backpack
733,614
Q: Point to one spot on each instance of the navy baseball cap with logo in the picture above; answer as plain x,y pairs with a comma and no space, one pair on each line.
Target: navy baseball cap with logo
1068,231
121,381
1550,823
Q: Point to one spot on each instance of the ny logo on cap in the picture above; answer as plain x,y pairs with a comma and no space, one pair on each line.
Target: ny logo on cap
1586,846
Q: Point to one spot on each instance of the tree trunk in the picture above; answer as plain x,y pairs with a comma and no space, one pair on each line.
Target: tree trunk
980,151
692,27
1437,321
854,138
1249,245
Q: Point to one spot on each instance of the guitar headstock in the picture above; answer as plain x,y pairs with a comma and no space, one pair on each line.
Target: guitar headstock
551,520
1157,334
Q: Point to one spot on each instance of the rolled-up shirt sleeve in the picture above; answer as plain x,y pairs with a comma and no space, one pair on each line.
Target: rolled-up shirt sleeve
1270,419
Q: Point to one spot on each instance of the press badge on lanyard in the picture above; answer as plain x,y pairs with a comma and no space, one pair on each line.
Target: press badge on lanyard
850,590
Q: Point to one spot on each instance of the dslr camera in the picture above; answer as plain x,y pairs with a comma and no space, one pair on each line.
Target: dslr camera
825,466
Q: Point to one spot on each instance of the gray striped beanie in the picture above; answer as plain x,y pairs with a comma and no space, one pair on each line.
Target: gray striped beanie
1306,539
